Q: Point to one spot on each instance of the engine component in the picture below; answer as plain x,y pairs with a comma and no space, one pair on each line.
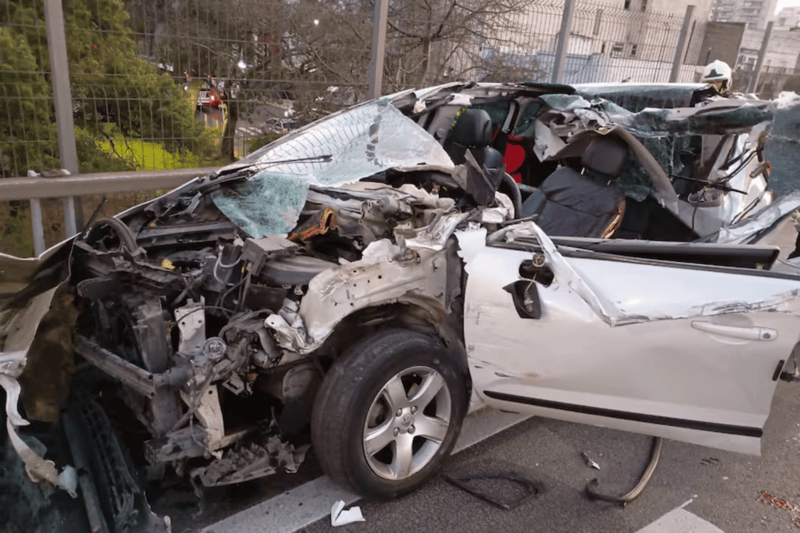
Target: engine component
259,297
294,270
258,251
191,324
204,232
214,348
251,461
129,374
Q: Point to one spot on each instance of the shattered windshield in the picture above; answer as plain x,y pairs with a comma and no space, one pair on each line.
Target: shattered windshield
342,149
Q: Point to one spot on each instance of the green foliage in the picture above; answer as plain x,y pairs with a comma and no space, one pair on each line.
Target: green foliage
27,130
117,95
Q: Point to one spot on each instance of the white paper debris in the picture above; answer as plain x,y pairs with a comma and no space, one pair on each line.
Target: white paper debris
342,517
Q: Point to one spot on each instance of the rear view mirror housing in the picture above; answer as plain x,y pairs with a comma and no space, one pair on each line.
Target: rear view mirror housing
525,295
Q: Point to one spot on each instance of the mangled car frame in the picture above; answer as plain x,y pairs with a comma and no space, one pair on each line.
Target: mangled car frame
377,274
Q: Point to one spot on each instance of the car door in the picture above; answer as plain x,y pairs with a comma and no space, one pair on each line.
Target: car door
687,352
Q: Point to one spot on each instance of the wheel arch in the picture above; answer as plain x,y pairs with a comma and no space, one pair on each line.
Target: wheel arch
420,315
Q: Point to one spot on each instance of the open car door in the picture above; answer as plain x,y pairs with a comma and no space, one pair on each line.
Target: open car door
684,351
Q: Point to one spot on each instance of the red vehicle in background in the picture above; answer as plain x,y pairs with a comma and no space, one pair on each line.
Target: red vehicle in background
208,97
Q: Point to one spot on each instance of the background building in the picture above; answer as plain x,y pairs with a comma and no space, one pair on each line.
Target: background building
754,13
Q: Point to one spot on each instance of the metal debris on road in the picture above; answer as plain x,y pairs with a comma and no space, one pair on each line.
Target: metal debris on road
589,462
531,488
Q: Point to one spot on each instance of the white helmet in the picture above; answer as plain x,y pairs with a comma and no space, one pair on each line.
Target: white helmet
718,71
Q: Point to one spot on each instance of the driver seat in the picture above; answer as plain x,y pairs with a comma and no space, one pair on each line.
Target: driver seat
472,131
583,204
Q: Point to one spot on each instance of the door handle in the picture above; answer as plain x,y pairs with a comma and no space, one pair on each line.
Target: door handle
754,333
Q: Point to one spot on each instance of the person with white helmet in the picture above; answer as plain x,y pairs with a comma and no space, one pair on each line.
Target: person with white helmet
718,74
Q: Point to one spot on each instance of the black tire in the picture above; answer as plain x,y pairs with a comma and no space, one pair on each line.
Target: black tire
354,400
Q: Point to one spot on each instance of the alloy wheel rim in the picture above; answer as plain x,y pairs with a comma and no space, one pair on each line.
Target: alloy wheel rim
407,423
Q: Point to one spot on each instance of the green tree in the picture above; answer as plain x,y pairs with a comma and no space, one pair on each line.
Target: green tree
117,95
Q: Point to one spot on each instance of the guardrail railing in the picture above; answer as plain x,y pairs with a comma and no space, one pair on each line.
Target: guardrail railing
35,189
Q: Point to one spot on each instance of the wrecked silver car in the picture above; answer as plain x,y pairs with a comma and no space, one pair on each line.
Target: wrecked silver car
377,274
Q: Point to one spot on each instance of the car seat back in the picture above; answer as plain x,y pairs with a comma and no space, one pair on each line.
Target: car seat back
473,131
571,204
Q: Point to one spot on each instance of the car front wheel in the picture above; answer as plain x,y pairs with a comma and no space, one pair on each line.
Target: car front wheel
388,412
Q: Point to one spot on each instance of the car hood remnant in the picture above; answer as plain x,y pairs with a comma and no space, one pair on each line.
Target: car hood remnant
214,313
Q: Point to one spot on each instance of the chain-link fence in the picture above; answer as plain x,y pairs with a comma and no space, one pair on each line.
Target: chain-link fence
28,136
607,44
187,83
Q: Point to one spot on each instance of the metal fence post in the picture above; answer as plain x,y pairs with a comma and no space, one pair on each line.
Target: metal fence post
681,46
563,42
62,98
36,223
378,48
760,63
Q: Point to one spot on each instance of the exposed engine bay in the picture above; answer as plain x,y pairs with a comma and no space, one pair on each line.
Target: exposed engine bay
192,319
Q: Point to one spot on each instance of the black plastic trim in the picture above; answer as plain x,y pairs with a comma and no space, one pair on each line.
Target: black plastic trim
778,369
712,427
524,244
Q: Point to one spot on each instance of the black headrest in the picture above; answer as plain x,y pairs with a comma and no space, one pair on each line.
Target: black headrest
473,128
605,154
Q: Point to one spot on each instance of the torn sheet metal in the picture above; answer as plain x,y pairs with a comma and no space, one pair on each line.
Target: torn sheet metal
39,469
18,333
546,144
384,277
719,116
27,290
435,235
252,461
415,269
765,218
347,147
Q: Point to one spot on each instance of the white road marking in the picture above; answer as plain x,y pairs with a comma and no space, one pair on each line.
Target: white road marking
285,514
680,520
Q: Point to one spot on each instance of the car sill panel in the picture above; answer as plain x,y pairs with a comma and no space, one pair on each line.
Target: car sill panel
636,417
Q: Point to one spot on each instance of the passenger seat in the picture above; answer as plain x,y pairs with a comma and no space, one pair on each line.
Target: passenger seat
583,204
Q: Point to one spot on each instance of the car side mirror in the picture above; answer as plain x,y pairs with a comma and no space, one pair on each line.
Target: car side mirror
525,295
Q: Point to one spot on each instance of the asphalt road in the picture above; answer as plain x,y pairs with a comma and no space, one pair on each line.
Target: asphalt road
724,489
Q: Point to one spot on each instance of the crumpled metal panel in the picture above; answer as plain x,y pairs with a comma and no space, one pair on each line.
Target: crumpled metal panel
636,97
664,132
764,218
715,117
344,148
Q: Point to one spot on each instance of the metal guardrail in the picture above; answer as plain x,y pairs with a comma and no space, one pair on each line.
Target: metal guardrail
100,183
69,187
